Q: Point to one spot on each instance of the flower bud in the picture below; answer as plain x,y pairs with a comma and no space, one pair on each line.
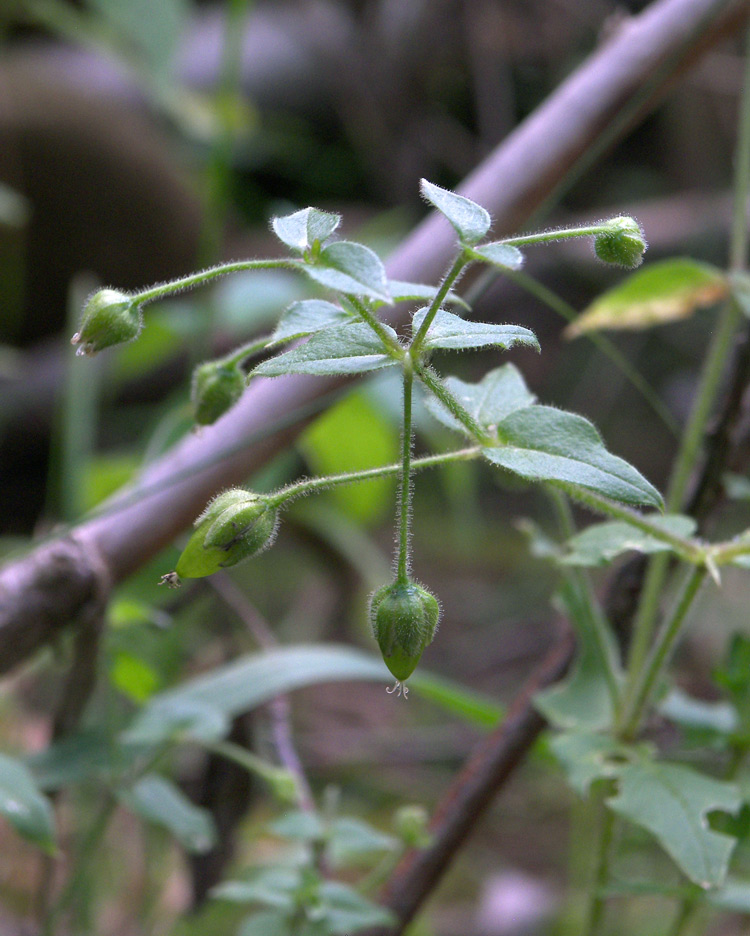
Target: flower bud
235,525
622,242
109,318
411,825
216,388
404,619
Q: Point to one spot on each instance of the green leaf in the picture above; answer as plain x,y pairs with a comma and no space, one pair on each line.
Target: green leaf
733,896
661,292
301,229
158,800
470,221
540,443
583,700
349,349
688,712
309,316
328,449
256,678
271,886
672,802
267,923
23,804
499,254
172,716
306,826
501,392
74,758
586,757
416,292
349,839
450,332
350,268
344,911
602,542
133,676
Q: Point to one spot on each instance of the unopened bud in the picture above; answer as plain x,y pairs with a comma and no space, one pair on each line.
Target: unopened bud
411,826
404,619
216,388
236,525
622,242
109,318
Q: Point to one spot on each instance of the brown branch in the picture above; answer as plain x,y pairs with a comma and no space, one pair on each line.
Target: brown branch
44,591
484,774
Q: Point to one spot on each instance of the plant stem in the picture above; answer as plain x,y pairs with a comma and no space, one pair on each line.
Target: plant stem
644,686
245,351
309,485
596,903
705,395
212,273
600,342
546,237
404,494
391,345
448,280
596,622
435,385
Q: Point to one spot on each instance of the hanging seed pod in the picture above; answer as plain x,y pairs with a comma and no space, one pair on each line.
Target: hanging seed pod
216,388
404,619
622,243
109,318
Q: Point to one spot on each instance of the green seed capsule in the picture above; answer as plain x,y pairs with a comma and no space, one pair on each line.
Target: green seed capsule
404,619
235,526
109,318
216,388
622,243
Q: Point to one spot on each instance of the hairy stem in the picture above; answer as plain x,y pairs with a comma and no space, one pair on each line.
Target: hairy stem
448,280
404,494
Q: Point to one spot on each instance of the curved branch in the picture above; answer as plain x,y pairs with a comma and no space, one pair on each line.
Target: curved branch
44,591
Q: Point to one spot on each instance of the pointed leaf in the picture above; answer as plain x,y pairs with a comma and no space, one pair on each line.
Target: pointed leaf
171,717
416,292
271,886
661,292
689,712
349,839
583,700
500,254
672,803
471,221
344,911
349,349
586,757
258,677
451,332
309,316
350,268
23,804
540,443
306,826
301,229
266,923
158,800
501,392
602,542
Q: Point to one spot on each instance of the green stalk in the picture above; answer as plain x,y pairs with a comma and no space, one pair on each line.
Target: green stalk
448,280
435,385
546,237
404,494
596,621
392,346
600,342
212,273
301,488
708,388
596,903
647,679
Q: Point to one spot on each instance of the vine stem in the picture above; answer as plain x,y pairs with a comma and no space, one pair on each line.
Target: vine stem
634,711
438,389
546,237
708,388
309,485
449,279
211,273
404,497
